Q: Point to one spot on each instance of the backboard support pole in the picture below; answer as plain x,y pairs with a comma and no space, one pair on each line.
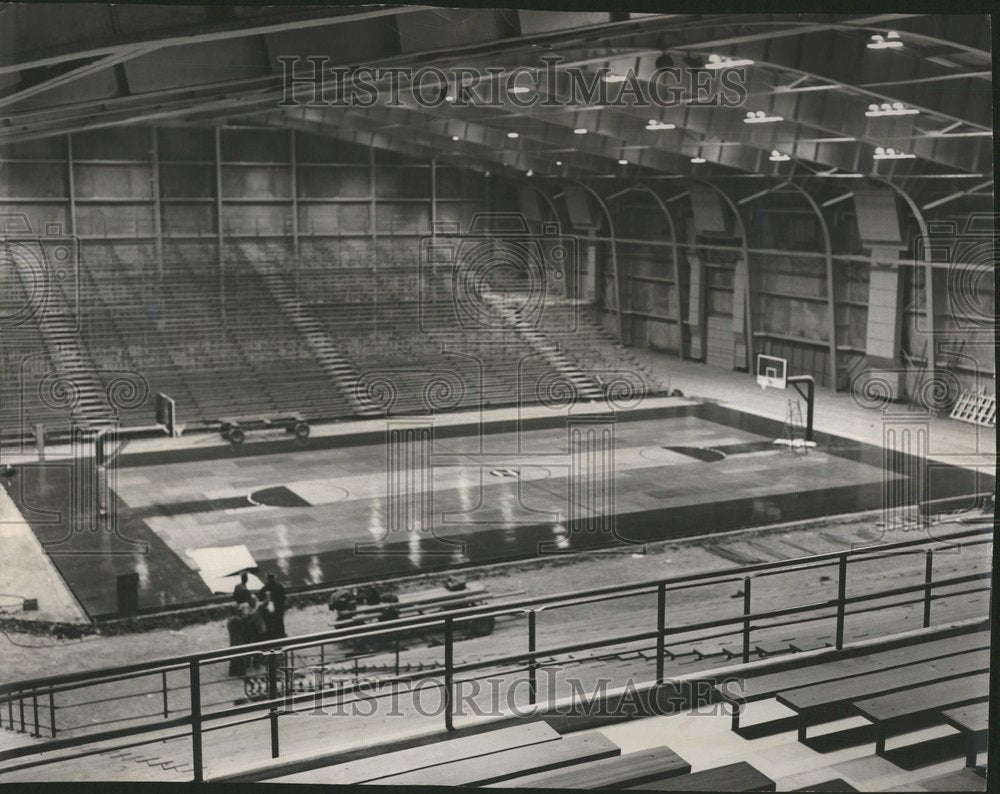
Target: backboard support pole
809,396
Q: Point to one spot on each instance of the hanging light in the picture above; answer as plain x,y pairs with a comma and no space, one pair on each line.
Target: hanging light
760,117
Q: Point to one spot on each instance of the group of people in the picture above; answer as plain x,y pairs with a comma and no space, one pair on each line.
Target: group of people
258,617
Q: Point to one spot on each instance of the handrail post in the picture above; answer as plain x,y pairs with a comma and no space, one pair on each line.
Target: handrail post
841,596
52,713
272,695
34,711
449,675
746,620
397,655
20,703
661,618
532,678
195,683
166,703
928,578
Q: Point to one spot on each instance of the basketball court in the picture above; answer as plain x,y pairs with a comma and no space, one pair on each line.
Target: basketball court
495,487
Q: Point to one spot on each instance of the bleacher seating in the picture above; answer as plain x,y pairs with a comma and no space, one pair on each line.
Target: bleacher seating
215,343
24,362
740,776
216,339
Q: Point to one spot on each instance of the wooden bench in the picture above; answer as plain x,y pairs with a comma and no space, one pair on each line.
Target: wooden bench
973,722
657,763
833,699
920,704
575,749
740,776
767,685
412,759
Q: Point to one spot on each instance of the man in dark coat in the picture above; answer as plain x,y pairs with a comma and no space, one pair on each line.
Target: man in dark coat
276,592
241,593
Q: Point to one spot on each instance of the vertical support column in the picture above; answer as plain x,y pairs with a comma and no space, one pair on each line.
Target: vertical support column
154,153
931,324
883,341
272,695
928,590
220,243
661,618
624,327
677,302
831,316
372,222
532,663
71,184
294,179
449,674
746,619
433,194
742,337
742,307
194,677
696,306
841,596
904,466
591,445
372,201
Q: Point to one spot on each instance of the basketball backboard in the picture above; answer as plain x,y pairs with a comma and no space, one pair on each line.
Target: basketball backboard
772,372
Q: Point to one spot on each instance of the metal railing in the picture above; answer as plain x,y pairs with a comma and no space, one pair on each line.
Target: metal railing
25,702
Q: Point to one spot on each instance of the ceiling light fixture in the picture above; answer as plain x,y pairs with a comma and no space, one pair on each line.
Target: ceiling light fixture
760,117
889,41
623,161
558,162
454,137
654,126
698,159
611,77
519,89
778,157
529,172
580,131
513,135
725,62
890,109
887,153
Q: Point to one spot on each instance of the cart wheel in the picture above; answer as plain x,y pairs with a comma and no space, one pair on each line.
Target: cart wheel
301,430
236,435
480,627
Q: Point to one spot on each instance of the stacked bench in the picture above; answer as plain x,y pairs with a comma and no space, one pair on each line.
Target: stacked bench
533,755
823,702
943,681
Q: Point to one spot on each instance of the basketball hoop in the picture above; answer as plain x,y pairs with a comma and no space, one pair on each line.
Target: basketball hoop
772,372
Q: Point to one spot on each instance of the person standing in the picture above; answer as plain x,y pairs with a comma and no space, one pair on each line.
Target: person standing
276,593
241,593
